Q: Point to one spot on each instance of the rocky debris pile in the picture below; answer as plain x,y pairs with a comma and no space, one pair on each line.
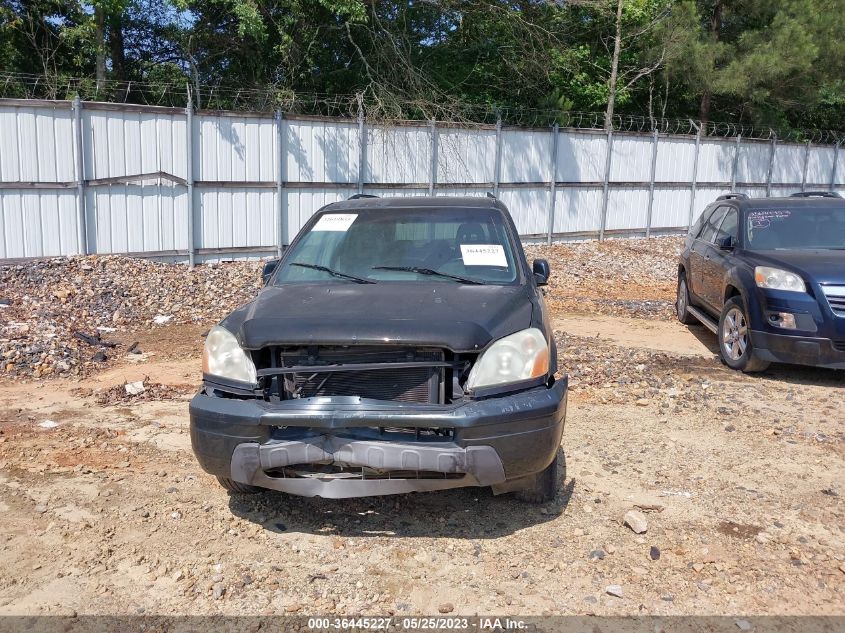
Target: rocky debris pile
140,391
623,375
56,315
623,277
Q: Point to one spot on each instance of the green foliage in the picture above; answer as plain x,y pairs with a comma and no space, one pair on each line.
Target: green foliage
773,63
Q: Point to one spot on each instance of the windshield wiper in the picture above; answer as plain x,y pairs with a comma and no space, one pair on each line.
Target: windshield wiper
431,271
335,273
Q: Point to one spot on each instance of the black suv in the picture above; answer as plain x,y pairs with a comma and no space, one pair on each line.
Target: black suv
767,276
399,345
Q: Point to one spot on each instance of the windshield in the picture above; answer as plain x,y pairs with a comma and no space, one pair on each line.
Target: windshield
452,246
804,228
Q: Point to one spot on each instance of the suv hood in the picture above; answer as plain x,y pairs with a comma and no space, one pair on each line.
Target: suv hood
821,266
454,316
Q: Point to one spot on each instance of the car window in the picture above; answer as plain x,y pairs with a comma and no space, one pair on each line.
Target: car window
708,231
373,244
804,227
729,226
702,220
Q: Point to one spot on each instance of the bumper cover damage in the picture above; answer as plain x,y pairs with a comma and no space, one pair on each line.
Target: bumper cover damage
479,465
498,441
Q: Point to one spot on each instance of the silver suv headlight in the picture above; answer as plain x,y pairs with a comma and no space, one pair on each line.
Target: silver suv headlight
516,357
224,357
778,279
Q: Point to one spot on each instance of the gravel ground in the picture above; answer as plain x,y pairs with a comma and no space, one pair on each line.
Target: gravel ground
739,478
620,277
43,304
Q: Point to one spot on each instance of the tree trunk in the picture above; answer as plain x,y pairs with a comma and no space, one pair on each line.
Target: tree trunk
651,101
100,43
704,108
614,69
714,32
116,46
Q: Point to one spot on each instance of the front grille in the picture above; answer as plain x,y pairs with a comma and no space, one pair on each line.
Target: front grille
399,385
839,345
419,432
405,383
836,298
328,471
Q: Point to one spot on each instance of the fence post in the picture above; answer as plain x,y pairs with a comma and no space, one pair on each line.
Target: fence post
362,144
694,176
552,183
651,184
189,153
835,165
735,166
605,189
82,218
771,167
497,169
806,166
280,182
432,179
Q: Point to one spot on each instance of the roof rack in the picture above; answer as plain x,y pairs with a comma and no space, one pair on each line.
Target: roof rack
490,195
815,194
733,196
358,196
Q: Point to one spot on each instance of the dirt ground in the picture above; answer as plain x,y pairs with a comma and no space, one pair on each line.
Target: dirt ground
741,480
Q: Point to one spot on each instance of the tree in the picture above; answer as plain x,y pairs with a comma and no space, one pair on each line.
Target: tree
748,61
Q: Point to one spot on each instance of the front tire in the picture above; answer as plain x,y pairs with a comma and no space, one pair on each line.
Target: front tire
546,482
234,486
682,302
735,345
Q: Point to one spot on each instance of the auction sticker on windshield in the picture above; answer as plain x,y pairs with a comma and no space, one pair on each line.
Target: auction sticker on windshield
763,219
335,222
484,255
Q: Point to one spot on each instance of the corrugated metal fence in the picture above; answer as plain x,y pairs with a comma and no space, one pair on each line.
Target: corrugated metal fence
108,178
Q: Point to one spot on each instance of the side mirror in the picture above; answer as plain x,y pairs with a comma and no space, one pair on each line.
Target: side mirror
541,271
269,269
725,243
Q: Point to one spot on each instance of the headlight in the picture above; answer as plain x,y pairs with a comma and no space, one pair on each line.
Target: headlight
224,357
778,279
516,357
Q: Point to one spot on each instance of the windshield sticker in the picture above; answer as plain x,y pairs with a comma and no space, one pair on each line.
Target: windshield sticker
763,219
484,255
335,222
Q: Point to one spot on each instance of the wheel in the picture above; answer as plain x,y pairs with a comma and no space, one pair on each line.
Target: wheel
546,482
234,486
735,343
682,302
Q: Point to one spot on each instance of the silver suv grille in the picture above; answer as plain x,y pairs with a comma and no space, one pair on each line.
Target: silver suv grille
836,298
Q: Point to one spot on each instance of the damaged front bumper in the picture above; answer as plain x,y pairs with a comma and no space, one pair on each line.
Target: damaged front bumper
360,447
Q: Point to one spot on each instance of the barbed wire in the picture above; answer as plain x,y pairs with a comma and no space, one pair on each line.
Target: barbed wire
374,108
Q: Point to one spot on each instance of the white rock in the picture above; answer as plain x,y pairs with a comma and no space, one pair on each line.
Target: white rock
744,625
636,521
135,388
161,319
48,424
614,590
